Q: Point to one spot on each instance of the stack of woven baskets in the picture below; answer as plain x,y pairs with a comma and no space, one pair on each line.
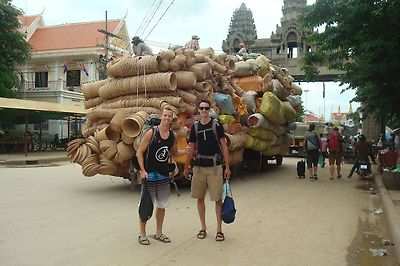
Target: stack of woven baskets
139,86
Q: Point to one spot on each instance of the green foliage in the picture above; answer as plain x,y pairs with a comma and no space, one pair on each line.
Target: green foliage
362,39
300,115
14,49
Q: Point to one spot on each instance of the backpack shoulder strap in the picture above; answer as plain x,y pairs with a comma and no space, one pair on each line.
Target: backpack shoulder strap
214,128
152,140
196,127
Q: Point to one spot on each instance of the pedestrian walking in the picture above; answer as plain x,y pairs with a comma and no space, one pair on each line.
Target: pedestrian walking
335,148
140,48
312,146
153,153
193,43
324,146
207,143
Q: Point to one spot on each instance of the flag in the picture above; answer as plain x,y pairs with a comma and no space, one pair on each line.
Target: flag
323,90
65,66
83,68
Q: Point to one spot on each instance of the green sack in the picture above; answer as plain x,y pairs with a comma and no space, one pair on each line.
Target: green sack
321,160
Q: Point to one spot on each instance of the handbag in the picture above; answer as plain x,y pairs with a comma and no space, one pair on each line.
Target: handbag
145,204
228,211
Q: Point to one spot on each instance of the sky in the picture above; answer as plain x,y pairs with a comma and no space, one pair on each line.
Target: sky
209,19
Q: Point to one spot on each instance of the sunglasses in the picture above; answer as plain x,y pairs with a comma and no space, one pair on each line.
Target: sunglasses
204,108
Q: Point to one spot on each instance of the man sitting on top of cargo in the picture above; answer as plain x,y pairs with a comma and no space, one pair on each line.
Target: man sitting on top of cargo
242,50
140,48
193,43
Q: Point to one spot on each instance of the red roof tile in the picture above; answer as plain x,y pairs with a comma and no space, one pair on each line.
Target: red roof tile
311,118
338,116
70,36
26,21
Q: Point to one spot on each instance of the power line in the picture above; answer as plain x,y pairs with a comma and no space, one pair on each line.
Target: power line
151,18
159,19
145,17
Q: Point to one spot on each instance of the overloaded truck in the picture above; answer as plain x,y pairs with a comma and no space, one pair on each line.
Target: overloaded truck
255,101
297,145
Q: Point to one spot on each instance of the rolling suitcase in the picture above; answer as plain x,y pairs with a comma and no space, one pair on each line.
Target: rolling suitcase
301,169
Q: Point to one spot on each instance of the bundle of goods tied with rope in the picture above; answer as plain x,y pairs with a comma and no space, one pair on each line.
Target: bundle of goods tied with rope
255,101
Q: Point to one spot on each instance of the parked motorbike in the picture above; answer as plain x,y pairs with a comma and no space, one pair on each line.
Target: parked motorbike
363,170
58,143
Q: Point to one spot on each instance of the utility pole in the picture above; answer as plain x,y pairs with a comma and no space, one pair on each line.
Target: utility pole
106,58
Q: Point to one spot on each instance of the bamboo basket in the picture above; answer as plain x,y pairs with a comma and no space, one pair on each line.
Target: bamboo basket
139,84
132,125
133,66
185,79
236,141
91,89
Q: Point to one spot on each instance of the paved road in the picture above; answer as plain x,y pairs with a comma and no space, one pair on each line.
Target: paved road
55,216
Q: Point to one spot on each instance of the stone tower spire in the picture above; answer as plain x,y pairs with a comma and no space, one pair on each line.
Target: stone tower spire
241,30
292,11
350,109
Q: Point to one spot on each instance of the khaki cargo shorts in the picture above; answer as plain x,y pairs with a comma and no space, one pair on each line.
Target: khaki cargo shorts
207,177
335,157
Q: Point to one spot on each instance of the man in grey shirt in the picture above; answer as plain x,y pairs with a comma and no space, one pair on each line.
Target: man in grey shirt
140,48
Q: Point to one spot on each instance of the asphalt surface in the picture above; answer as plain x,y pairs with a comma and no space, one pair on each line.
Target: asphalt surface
55,216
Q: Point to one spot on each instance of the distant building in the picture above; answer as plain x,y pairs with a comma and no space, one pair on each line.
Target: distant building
312,118
286,46
66,56
340,117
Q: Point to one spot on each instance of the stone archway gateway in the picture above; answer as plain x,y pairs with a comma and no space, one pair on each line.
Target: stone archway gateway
285,47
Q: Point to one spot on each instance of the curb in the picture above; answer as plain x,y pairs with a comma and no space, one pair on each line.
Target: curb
33,161
391,213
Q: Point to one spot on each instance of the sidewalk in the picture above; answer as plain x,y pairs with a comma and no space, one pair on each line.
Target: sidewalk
33,158
389,188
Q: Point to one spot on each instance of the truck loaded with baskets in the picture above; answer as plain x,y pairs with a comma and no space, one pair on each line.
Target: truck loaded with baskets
256,102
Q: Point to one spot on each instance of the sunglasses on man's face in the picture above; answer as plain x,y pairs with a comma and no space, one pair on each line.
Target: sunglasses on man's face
204,108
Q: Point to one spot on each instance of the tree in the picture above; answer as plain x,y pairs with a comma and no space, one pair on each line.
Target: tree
300,114
14,49
361,38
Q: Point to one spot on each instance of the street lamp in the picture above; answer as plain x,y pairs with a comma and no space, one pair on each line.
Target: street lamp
306,91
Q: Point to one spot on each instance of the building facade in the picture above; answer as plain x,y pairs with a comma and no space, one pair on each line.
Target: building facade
66,56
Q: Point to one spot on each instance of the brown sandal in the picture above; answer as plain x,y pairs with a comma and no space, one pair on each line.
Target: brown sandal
202,234
220,236
163,238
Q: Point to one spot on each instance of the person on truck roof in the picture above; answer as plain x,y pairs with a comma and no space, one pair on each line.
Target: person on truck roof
140,48
193,43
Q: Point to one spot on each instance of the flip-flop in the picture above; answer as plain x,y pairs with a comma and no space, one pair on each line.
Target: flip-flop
143,240
202,234
163,238
219,236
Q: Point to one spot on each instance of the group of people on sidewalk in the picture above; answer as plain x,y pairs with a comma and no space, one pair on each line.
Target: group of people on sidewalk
206,147
331,146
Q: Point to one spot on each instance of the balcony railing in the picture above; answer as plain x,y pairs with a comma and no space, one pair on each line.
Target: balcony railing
55,85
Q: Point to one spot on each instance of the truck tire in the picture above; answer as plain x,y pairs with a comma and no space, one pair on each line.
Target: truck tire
279,160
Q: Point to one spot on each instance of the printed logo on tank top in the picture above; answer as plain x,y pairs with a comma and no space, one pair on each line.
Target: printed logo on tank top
162,154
